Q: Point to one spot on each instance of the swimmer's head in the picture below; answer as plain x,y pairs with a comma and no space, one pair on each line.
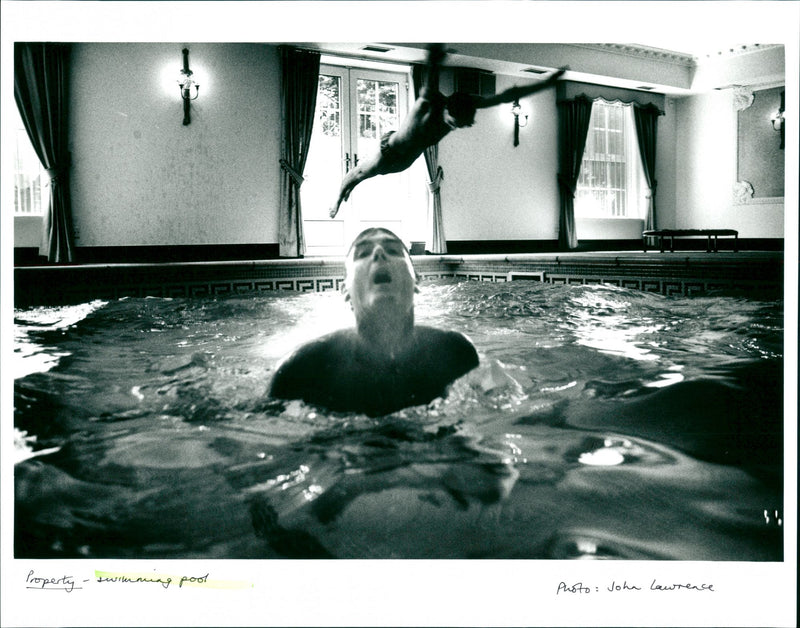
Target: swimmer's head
378,268
366,240
461,108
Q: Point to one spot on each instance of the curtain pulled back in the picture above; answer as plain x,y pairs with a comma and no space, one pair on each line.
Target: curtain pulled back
646,120
299,78
573,126
41,92
434,239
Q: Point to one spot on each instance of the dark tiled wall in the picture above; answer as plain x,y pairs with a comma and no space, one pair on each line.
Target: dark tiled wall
668,274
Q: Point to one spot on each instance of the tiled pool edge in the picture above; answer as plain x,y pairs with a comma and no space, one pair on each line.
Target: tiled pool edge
668,274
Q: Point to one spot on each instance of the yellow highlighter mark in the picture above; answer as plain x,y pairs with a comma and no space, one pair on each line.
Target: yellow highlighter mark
201,581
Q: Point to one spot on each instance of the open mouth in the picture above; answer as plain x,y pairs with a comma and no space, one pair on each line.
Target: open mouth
382,276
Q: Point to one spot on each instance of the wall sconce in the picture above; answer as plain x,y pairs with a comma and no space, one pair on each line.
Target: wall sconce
778,122
516,111
187,84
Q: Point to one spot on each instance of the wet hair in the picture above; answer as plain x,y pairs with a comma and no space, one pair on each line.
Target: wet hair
370,231
462,107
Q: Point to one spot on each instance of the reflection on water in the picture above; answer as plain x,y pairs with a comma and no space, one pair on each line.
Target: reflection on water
602,423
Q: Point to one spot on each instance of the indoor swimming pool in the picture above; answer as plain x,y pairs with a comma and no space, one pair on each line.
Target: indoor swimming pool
602,423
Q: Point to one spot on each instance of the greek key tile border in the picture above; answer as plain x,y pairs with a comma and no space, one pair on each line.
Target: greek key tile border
220,282
665,286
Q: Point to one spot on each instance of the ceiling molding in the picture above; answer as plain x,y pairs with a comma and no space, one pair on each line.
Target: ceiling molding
736,51
642,52
688,59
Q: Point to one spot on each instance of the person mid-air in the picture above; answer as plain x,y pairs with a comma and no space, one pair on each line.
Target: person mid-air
431,118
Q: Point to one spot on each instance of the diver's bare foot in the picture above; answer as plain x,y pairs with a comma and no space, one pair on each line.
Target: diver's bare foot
334,210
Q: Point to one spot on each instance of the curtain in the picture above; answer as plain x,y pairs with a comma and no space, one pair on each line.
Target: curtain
573,126
646,120
299,78
41,92
434,241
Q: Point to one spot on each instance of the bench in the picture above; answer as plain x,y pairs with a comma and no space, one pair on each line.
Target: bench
686,233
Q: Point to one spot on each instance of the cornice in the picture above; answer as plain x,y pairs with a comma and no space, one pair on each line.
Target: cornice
642,52
737,51
678,58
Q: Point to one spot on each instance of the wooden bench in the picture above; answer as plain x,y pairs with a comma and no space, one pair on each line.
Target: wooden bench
686,233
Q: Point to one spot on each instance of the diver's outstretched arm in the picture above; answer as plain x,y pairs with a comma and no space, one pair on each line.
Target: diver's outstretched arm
363,171
436,54
517,92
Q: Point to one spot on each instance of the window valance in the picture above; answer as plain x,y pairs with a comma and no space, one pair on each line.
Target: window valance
643,106
571,90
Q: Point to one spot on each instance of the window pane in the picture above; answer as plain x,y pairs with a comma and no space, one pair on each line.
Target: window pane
366,95
329,106
367,127
377,108
597,174
602,185
324,167
598,141
31,183
387,106
615,144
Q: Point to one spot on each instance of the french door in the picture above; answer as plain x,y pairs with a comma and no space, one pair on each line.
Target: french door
355,107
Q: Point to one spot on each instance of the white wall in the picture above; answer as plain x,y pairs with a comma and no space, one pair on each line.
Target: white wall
605,229
139,177
494,191
28,231
706,171
666,165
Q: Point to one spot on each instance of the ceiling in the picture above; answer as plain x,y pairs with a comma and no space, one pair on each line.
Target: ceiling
674,69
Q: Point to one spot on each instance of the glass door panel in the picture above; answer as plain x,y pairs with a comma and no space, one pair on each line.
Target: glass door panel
324,166
355,108
378,202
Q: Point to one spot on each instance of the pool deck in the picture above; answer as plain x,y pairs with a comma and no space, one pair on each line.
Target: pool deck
680,272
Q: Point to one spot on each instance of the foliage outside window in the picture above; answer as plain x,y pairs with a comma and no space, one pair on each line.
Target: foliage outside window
377,108
329,107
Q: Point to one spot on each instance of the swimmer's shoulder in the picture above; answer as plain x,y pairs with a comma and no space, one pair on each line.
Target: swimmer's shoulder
302,367
448,344
327,347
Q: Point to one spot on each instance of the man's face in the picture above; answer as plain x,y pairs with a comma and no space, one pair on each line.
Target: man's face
379,274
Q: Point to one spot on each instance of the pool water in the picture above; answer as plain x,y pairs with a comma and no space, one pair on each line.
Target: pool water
602,423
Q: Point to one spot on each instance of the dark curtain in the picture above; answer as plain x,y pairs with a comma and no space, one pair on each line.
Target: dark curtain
646,119
41,91
573,125
299,78
434,240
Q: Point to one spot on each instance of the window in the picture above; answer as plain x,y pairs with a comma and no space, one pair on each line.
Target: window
355,108
611,182
31,183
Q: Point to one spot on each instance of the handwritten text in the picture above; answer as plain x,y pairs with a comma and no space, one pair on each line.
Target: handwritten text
624,586
60,583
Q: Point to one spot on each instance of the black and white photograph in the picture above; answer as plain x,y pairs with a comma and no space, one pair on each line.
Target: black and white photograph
399,313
